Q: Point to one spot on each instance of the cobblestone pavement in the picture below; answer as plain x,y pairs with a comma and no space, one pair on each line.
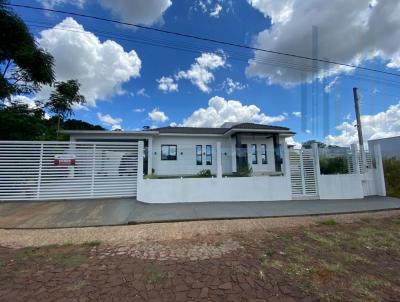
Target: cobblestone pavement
313,263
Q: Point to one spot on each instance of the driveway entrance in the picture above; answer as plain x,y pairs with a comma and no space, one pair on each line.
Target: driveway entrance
31,170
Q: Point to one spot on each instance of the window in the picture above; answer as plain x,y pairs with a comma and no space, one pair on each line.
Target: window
254,154
208,155
199,155
168,152
264,159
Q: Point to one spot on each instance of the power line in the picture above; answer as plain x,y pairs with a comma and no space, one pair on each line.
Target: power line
193,49
200,38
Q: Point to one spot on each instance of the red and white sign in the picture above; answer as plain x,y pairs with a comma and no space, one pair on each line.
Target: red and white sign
64,160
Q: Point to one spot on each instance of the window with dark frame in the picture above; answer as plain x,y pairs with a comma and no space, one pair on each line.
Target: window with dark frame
168,152
264,159
199,155
254,154
208,155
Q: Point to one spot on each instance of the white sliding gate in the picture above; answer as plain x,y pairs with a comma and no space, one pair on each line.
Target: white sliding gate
67,170
303,174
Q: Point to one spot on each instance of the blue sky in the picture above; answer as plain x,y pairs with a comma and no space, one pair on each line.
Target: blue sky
122,83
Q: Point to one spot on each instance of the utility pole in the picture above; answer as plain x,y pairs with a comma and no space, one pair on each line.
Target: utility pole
359,129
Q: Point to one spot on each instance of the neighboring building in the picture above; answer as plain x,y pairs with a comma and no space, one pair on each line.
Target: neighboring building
390,146
182,151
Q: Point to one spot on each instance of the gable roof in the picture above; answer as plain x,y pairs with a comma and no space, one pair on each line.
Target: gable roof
219,131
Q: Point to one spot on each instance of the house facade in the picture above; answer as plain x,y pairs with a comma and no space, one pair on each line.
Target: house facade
234,162
186,151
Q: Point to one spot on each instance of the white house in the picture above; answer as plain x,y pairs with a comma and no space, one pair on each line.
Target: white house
170,159
234,162
185,151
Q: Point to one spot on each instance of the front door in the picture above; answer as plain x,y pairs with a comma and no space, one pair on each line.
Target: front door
241,156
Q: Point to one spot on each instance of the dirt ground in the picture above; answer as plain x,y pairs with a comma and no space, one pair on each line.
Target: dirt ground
330,259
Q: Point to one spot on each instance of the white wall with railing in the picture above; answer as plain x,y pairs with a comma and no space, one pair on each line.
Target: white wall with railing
218,187
357,179
350,183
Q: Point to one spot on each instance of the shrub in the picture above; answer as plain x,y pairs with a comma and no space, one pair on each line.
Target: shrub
245,171
204,173
391,167
333,165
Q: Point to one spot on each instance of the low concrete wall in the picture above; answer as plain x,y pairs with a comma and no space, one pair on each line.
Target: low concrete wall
262,188
341,186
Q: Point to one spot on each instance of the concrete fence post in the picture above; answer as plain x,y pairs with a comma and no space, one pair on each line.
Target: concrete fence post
356,162
140,159
380,176
219,161
315,153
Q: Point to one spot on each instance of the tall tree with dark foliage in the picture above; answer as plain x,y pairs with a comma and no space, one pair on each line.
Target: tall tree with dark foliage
24,66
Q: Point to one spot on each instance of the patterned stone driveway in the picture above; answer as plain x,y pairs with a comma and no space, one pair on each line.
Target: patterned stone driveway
349,262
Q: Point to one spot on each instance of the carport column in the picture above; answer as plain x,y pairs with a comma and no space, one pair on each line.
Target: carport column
380,176
286,160
219,161
233,154
150,156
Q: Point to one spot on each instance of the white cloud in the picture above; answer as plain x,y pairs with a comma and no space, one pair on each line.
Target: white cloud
108,120
167,84
213,7
380,125
216,11
138,110
296,113
230,85
101,67
328,88
200,72
291,141
279,11
142,92
54,3
291,32
23,100
173,124
145,12
158,116
220,111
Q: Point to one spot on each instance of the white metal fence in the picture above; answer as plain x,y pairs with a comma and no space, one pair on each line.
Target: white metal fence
67,170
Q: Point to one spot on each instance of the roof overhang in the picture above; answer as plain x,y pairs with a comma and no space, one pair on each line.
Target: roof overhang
108,133
283,133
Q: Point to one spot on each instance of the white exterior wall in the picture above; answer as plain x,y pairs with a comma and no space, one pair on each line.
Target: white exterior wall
186,155
340,186
262,188
259,167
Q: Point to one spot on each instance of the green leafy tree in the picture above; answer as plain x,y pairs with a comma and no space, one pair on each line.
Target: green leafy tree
19,122
391,167
24,66
308,144
61,100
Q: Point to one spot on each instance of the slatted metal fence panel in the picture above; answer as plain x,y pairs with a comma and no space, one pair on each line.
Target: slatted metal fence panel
67,170
302,173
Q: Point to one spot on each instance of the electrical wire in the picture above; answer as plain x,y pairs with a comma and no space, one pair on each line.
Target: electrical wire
200,38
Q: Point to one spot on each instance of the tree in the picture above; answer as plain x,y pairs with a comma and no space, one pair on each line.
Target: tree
308,144
61,100
24,66
19,122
